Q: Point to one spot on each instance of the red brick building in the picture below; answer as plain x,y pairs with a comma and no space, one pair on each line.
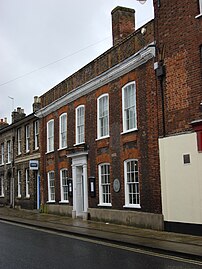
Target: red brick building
99,134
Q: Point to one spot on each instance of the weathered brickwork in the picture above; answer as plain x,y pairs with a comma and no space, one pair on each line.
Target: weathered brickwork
179,37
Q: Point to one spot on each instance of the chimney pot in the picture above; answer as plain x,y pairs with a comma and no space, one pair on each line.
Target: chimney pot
123,23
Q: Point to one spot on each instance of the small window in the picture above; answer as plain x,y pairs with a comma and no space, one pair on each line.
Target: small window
63,130
9,151
103,116
2,154
64,185
19,141
200,6
1,186
129,107
50,136
186,158
51,187
27,138
131,178
36,135
104,185
27,191
19,184
80,124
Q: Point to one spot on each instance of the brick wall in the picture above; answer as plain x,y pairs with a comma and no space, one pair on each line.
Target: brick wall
179,37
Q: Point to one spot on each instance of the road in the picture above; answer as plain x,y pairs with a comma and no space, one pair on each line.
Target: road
24,247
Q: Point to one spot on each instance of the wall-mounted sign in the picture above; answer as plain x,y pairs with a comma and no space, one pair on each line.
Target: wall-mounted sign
34,165
116,185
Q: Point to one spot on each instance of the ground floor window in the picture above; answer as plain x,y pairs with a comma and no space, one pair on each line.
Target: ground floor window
19,183
64,185
104,184
131,178
51,186
27,183
1,186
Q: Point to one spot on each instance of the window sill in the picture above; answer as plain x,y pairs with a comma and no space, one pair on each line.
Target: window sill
62,148
105,205
129,131
1,164
27,197
131,206
198,16
64,202
79,144
103,137
49,152
19,197
2,196
8,163
50,202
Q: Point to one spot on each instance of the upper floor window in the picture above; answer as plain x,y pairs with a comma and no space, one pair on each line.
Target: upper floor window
27,138
1,186
103,116
64,185
131,178
50,135
27,188
80,124
63,130
129,107
19,183
36,134
104,184
2,154
19,141
9,151
51,186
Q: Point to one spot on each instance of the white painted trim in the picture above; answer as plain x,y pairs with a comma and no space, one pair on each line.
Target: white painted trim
136,60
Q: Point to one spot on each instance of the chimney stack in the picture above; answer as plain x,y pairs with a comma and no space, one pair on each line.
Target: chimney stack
37,103
123,23
18,115
3,123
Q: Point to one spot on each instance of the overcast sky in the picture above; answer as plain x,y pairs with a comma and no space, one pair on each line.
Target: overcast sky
42,42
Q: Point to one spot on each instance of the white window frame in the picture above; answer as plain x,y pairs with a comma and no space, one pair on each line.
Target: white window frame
50,135
27,138
51,187
102,118
27,188
126,109
63,131
1,186
36,134
80,124
2,153
8,151
200,6
104,188
127,182
64,185
19,140
19,183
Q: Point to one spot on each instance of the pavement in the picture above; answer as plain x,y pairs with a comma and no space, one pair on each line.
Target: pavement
171,243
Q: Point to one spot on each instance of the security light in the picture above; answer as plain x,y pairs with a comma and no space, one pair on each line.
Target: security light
142,1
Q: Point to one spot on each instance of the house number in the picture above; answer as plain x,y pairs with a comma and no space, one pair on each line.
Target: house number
116,185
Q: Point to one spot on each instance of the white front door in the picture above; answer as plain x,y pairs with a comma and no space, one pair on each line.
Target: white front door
80,184
79,191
